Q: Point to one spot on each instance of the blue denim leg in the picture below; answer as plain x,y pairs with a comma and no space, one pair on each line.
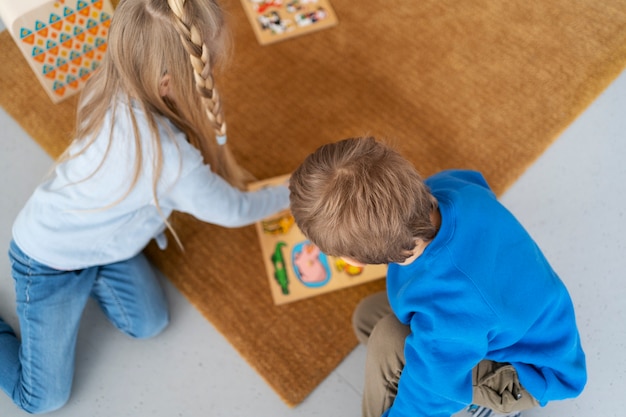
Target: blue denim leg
37,373
131,297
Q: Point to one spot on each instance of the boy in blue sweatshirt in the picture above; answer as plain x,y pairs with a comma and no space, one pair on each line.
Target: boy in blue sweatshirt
473,312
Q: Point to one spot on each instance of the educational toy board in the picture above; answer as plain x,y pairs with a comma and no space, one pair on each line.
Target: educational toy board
63,40
275,20
296,268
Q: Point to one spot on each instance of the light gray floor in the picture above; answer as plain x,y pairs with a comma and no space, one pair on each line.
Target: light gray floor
572,201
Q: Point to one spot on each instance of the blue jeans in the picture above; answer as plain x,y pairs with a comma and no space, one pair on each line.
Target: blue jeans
37,373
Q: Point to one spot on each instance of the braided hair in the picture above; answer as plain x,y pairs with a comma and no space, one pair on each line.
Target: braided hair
200,58
188,21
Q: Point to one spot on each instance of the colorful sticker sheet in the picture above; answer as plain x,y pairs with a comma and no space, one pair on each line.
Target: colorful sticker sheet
64,42
275,20
296,268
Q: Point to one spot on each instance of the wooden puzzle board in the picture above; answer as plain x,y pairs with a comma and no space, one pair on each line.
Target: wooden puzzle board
63,41
295,268
275,20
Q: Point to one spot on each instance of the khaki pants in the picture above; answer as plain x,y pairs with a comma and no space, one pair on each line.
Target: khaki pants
495,385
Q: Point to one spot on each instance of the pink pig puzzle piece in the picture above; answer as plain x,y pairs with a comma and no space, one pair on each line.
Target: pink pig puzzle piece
309,265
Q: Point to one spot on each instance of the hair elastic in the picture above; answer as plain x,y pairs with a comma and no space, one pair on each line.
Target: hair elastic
221,139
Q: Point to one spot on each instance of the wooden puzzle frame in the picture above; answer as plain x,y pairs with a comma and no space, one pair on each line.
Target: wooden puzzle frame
276,20
295,268
63,41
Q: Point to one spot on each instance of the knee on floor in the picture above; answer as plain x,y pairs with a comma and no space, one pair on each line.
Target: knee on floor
148,329
41,405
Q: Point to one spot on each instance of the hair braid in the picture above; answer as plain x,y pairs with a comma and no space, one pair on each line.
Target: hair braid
200,58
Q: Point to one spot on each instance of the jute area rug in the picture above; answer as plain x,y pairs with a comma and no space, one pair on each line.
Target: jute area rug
480,84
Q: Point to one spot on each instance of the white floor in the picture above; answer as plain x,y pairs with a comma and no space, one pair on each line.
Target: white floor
572,200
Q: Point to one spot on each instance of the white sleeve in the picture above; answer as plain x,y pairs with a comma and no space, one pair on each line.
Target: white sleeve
208,197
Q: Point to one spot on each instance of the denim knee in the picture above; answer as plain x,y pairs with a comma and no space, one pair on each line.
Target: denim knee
53,401
149,329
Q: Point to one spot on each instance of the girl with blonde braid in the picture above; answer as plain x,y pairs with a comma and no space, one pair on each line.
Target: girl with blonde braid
150,139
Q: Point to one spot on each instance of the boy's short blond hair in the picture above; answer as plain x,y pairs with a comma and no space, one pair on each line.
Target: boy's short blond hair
359,198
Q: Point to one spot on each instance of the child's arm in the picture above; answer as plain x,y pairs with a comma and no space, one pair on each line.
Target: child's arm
208,197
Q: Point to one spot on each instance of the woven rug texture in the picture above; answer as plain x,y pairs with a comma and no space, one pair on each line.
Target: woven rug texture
479,84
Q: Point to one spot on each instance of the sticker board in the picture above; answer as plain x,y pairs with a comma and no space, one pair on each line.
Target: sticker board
275,20
63,41
296,269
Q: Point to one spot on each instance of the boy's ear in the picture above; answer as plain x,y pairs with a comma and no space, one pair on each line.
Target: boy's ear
164,86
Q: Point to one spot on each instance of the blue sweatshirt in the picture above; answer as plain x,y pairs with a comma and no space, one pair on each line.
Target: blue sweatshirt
482,289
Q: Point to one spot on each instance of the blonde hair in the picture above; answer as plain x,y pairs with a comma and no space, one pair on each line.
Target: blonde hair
147,40
361,199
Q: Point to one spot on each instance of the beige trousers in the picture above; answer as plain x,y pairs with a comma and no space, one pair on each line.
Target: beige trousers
495,385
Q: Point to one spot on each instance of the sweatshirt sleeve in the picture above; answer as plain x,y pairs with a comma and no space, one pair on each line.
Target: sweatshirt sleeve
208,197
440,352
